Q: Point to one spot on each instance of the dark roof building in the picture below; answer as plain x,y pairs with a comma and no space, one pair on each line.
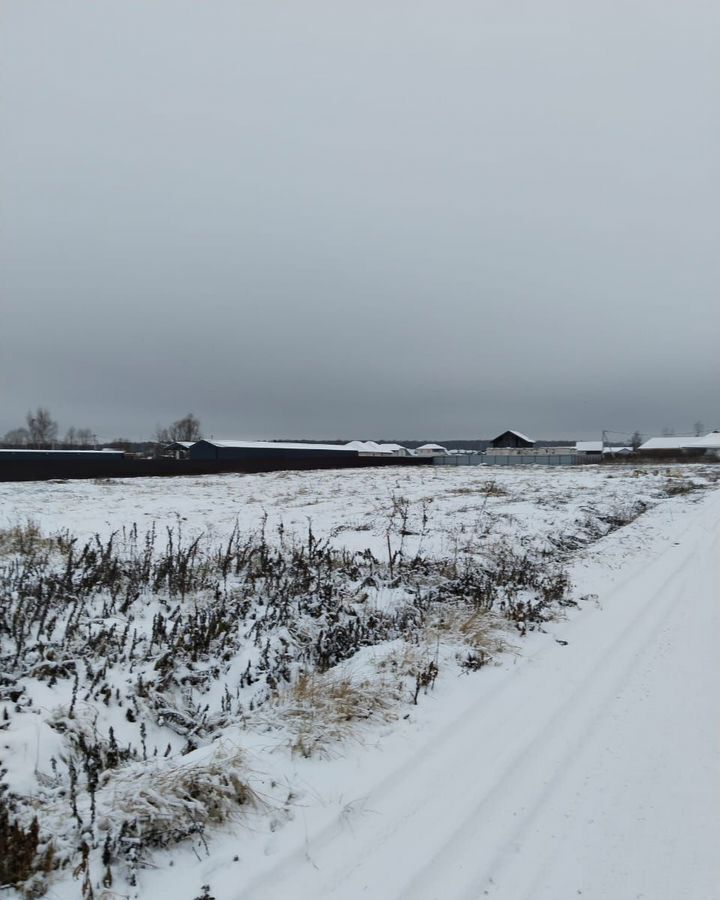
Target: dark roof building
260,450
512,439
178,449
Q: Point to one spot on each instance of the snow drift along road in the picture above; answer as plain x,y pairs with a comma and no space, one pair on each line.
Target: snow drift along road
593,772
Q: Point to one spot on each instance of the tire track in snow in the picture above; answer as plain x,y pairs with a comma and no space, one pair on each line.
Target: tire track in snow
494,822
458,810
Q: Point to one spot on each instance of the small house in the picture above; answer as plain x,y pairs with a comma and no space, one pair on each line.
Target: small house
396,449
431,450
368,448
178,449
513,439
590,448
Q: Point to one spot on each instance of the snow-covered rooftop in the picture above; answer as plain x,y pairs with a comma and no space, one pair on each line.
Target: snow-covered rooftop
683,442
710,441
368,447
597,447
280,445
392,447
589,446
518,434
522,436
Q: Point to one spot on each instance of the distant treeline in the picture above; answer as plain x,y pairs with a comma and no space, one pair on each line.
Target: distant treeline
41,432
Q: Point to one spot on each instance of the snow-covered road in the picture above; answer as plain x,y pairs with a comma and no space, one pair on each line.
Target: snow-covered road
592,771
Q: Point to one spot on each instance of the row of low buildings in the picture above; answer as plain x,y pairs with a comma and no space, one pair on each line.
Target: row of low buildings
510,447
516,448
506,442
513,442
707,445
675,445
212,449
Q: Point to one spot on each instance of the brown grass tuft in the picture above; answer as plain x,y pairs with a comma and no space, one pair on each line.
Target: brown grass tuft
323,710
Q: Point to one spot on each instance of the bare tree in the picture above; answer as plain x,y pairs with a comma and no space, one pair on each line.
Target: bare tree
43,429
79,437
121,443
185,429
85,437
698,428
636,440
20,437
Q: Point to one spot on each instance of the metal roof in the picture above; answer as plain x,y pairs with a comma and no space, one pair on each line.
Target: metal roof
519,434
683,442
278,445
589,446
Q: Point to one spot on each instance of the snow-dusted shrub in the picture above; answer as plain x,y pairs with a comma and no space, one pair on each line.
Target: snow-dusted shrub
25,856
145,651
25,539
597,524
479,630
157,804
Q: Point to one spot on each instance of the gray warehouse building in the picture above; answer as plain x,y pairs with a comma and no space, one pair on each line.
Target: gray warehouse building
261,450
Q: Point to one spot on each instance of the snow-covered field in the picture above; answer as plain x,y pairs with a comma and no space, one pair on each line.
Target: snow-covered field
416,683
353,508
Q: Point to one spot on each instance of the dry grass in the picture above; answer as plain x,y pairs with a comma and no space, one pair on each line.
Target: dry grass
477,629
677,484
406,660
322,711
176,799
24,539
483,489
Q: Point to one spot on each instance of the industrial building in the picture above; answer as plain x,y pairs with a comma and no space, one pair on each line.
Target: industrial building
682,445
268,450
86,455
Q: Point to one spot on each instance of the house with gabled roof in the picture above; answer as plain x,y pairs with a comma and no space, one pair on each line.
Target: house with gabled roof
514,439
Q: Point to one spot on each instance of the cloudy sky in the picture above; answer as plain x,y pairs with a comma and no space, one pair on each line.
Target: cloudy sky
361,219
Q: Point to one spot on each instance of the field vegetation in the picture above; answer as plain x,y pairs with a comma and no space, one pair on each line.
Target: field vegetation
133,663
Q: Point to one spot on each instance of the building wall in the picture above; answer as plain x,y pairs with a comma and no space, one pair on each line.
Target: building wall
111,466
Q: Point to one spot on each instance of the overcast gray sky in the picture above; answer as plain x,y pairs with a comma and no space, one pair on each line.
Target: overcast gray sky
361,219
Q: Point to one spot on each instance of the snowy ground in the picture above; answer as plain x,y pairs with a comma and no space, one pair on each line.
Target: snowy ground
354,508
582,762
